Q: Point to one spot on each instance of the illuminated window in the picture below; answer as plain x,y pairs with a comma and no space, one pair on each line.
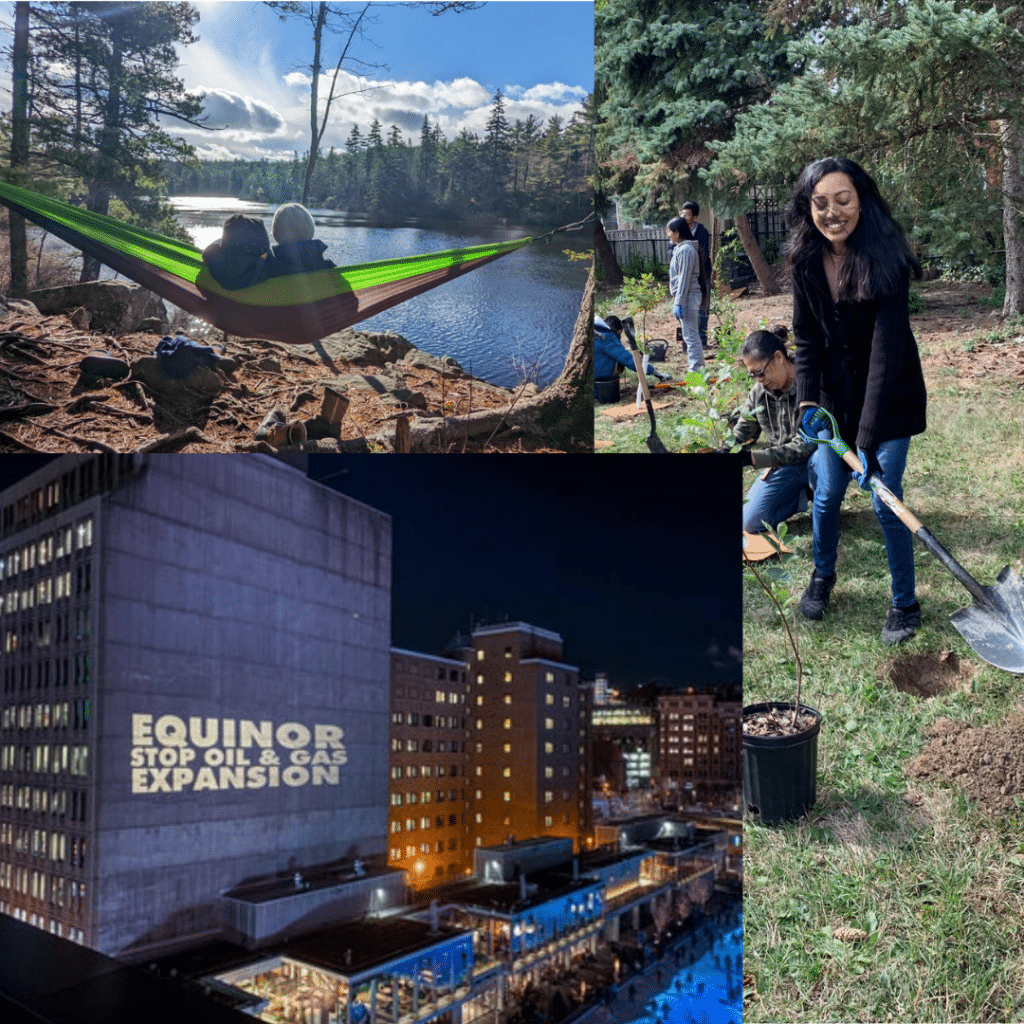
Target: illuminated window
549,748
507,748
507,723
479,821
507,772
396,799
549,723
508,677
507,797
410,824
479,794
508,698
479,699
480,679
547,821
439,696
548,796
549,698
549,772
549,677
396,826
479,655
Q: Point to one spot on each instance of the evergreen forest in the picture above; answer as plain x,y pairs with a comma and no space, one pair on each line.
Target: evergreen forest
527,172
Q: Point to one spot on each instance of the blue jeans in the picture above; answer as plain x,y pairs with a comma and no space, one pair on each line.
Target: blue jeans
833,476
774,500
691,333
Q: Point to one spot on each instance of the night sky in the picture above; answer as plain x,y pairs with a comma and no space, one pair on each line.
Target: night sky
628,558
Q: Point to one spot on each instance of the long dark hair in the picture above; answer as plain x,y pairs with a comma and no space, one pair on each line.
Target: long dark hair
879,249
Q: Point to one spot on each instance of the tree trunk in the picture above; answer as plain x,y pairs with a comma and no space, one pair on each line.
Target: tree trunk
1013,221
606,254
19,149
561,415
764,275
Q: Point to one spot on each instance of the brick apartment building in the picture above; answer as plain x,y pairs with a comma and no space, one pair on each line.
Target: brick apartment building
699,738
428,819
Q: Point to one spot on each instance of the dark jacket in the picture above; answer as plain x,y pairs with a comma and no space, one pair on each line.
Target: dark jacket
858,359
609,352
234,267
299,257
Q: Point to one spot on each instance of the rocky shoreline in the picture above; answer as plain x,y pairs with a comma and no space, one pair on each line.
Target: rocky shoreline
365,392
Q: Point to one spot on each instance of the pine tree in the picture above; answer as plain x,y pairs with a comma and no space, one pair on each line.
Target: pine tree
497,148
104,73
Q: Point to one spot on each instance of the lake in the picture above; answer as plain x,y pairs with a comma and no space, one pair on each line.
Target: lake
512,316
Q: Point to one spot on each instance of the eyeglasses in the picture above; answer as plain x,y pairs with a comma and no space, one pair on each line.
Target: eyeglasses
759,374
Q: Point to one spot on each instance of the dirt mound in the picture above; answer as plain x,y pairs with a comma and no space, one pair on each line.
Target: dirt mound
987,763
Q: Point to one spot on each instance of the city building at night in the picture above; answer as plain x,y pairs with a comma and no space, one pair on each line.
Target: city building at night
195,658
699,739
528,733
429,809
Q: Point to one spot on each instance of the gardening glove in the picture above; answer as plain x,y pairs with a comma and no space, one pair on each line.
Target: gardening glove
868,459
660,375
814,419
746,456
677,312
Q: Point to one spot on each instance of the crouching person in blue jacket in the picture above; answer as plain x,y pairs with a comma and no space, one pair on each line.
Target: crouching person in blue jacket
611,357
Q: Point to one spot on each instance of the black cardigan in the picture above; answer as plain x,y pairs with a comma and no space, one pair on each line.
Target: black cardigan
859,360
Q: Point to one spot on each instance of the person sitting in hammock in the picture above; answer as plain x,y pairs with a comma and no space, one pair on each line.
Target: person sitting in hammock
296,251
242,255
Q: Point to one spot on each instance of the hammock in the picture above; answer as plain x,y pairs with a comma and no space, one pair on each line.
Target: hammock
298,309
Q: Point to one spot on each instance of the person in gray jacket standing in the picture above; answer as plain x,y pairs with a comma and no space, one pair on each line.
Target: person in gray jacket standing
688,289
690,212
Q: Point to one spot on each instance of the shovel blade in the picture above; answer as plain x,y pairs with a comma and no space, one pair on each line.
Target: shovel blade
995,627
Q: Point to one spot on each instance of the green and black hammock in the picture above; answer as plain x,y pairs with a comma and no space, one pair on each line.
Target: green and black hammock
297,309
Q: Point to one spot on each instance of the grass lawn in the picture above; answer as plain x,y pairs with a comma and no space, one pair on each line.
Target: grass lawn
934,879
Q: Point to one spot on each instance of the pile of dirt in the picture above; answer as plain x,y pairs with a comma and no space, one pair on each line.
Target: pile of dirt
987,763
394,392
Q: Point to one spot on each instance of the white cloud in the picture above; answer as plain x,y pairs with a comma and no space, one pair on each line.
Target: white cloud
241,116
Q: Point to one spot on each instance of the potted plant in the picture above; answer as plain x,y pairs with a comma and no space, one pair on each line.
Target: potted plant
780,738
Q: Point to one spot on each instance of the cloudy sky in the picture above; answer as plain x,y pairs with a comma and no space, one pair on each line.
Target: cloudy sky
254,69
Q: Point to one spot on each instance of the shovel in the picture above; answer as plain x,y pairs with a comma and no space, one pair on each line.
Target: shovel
654,443
994,623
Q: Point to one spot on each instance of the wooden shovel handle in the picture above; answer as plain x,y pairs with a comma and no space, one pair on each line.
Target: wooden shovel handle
905,516
639,363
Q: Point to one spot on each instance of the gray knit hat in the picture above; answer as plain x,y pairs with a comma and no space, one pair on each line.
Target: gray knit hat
292,223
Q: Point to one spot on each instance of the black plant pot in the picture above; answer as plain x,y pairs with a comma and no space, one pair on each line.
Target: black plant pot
780,772
606,391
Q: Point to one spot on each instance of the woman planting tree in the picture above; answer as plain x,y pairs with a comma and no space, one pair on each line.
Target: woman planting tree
856,357
770,411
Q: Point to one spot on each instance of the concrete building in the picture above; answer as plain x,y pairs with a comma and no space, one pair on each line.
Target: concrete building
528,739
195,661
429,809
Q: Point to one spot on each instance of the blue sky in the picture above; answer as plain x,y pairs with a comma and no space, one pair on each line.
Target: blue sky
254,69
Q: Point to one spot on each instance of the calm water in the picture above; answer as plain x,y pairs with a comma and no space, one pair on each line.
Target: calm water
518,310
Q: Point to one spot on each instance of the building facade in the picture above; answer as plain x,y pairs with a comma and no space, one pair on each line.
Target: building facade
527,737
428,813
195,672
699,738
